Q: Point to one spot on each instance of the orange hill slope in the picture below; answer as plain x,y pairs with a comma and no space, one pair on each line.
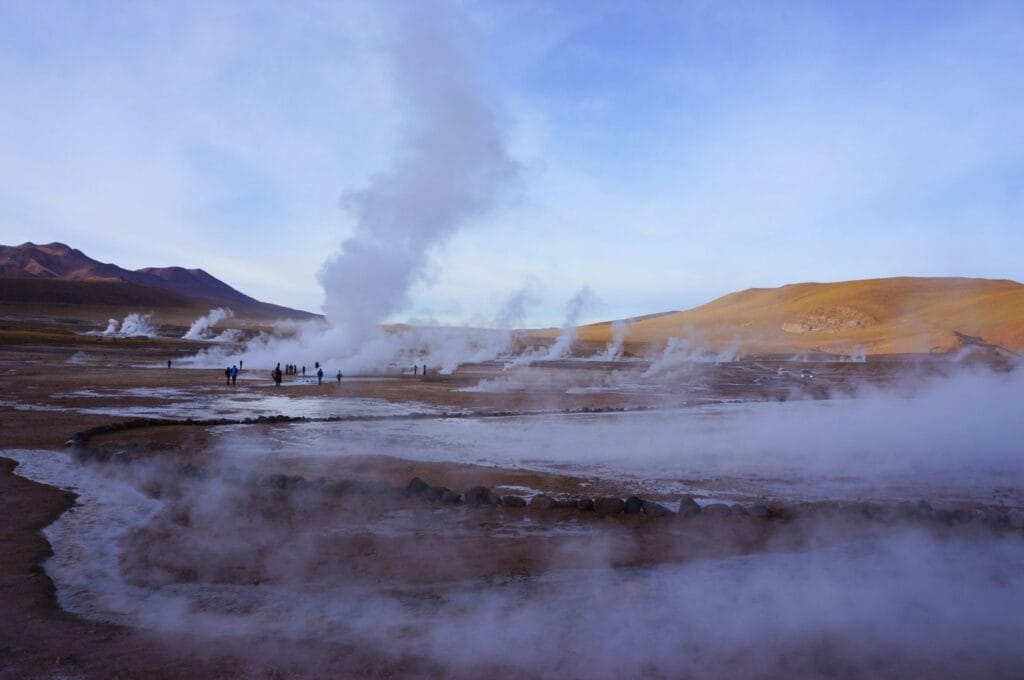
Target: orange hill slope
876,316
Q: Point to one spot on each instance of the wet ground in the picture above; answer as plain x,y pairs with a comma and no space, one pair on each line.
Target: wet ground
299,535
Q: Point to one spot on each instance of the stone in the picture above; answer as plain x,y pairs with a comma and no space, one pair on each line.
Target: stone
652,509
542,502
634,505
585,504
688,507
277,481
958,516
738,510
434,494
609,505
450,497
1015,519
481,495
716,510
512,501
759,511
416,487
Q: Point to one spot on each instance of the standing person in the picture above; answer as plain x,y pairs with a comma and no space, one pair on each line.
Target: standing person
234,374
227,375
319,376
415,369
277,375
424,370
303,371
168,363
239,364
339,376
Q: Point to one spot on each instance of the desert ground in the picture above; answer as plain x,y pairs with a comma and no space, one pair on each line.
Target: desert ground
774,515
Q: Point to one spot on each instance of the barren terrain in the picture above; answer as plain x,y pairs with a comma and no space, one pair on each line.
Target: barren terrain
495,520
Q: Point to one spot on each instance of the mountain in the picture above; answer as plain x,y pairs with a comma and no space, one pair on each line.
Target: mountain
55,273
873,316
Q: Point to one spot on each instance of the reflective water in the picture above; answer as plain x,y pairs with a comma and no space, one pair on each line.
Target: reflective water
796,450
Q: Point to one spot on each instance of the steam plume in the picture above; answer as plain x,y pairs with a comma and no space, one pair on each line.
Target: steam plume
202,328
450,168
577,305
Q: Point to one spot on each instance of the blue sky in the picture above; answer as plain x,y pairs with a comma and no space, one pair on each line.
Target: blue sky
670,152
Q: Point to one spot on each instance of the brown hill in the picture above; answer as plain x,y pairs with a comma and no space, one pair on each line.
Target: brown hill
875,316
56,274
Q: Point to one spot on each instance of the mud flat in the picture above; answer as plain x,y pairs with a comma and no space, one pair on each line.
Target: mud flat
565,520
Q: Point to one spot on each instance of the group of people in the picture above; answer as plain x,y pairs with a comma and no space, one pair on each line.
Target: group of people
231,374
292,369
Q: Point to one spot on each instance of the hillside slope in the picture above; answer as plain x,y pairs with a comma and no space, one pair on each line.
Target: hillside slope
56,274
875,316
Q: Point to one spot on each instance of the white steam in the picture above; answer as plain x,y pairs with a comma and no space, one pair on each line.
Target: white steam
134,325
680,353
203,327
580,302
450,168
614,349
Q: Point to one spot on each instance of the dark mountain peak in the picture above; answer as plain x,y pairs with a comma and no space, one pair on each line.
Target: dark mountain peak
58,261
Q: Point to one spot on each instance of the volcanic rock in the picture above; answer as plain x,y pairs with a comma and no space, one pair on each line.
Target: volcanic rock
609,505
688,507
634,505
716,510
450,497
759,511
652,509
416,487
512,501
542,502
481,495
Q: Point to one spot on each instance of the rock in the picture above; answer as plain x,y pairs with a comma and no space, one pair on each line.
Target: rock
738,510
481,495
450,497
716,510
567,503
416,487
585,504
608,505
634,506
542,502
688,507
759,511
1015,519
652,509
434,494
958,516
190,470
274,481
511,501
994,517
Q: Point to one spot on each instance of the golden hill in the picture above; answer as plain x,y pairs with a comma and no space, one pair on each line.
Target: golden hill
875,316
